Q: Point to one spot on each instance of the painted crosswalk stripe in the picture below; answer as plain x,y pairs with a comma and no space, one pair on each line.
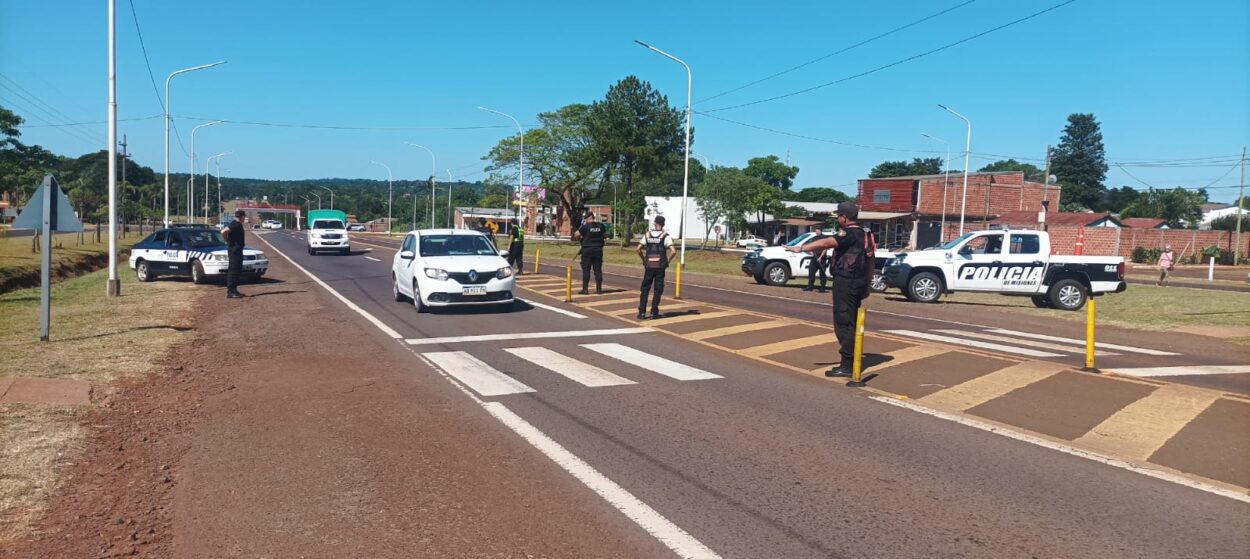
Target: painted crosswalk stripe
1081,342
1184,371
691,317
572,369
1028,343
987,387
973,343
476,374
525,336
904,355
653,363
789,345
1141,428
737,329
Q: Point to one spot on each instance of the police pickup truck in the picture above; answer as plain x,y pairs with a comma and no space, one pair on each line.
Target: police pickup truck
198,252
776,265
1009,262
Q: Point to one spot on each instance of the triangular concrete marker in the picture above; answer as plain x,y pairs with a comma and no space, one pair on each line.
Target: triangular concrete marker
63,218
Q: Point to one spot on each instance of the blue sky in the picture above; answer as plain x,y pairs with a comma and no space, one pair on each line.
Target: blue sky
1167,80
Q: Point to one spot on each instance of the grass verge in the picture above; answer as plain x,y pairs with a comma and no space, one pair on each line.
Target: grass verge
93,338
19,267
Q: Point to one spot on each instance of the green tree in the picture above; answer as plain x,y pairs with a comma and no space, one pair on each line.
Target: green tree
1178,206
731,194
1120,198
1229,223
1031,172
917,166
1080,162
818,194
771,170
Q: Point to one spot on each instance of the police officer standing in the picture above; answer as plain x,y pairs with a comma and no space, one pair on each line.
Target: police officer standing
234,249
516,250
656,250
850,270
817,264
592,235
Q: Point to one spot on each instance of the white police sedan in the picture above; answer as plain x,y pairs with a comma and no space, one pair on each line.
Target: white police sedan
196,252
451,267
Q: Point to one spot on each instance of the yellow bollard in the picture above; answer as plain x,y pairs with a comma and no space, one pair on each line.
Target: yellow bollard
538,257
568,286
678,294
857,369
1090,315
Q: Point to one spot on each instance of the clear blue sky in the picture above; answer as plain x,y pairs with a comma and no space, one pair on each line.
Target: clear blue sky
1167,80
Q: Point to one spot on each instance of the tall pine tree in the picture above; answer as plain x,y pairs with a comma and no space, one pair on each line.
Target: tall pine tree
1080,163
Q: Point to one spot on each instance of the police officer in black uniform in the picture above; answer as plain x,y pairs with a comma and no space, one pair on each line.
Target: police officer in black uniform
816,266
850,269
234,249
656,251
592,235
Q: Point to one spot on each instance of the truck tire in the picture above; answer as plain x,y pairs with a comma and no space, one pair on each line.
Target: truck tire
877,285
924,287
197,272
759,278
1041,301
1068,295
776,274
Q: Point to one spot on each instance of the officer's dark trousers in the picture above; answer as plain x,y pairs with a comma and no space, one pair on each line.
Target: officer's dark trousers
651,279
816,266
516,257
592,259
848,293
233,269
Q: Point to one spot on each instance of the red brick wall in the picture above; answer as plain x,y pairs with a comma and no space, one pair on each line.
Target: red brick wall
987,195
1102,241
901,192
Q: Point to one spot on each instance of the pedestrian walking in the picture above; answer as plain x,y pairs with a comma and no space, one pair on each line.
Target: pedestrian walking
592,235
816,266
516,250
656,250
853,255
1166,263
234,251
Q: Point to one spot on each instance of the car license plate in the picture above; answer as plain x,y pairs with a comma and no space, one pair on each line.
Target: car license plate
475,290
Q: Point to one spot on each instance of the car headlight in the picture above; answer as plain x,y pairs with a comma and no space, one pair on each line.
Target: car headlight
260,256
221,257
503,273
435,273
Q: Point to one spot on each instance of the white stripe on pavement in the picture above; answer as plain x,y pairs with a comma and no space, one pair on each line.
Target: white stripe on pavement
970,343
572,369
474,373
1029,343
671,535
1081,342
1184,371
373,259
653,363
551,308
526,336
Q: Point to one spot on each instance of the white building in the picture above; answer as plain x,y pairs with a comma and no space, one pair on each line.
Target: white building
1212,212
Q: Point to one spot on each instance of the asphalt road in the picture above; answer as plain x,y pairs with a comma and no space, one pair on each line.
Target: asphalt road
742,459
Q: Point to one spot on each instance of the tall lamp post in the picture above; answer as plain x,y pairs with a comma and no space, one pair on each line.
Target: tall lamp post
433,173
331,196
318,199
390,189
946,177
167,121
520,181
206,161
114,286
685,179
191,192
449,198
219,181
967,157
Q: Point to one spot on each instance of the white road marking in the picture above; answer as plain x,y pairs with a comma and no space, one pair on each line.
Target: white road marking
479,376
552,309
971,343
1066,449
381,325
671,535
526,336
1029,343
1184,371
572,369
1081,342
653,363
373,259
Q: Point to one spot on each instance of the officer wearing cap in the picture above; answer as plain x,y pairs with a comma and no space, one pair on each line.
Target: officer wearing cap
850,268
592,234
234,249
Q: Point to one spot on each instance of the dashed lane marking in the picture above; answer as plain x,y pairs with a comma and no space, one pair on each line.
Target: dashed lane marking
1141,428
526,336
373,259
1184,371
984,388
572,369
1124,348
476,374
738,329
1027,343
653,363
972,343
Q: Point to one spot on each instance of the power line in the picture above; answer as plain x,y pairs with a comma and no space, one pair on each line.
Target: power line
835,53
46,116
92,122
338,127
897,62
152,78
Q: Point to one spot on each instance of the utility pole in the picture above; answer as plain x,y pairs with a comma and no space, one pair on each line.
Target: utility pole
1241,192
123,144
1046,184
114,286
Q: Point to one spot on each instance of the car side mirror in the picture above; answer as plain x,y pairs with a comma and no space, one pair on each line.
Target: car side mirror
407,255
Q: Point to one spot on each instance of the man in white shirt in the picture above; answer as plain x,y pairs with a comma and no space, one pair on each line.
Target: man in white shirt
656,251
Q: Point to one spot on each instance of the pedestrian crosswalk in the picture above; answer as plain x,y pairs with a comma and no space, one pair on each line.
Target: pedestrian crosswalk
1015,342
488,380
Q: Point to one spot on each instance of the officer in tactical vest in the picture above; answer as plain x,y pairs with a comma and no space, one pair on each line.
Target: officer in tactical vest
516,250
592,235
851,268
656,250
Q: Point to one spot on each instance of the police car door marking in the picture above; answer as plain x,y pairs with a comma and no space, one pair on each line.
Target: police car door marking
1009,274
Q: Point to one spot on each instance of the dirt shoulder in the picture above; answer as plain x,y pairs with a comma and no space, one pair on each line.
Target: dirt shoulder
289,428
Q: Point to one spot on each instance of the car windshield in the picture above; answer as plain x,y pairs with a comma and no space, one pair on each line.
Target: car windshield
204,238
327,224
455,245
954,242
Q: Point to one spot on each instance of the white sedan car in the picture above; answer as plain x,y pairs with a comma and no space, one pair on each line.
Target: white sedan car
451,267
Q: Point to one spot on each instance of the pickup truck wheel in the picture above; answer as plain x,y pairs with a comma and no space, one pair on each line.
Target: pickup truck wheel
1068,295
759,278
924,287
878,283
1041,301
197,272
776,274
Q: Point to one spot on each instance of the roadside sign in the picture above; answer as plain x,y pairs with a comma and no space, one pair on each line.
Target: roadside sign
49,209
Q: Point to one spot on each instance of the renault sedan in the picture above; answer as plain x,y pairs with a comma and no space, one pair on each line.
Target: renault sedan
451,267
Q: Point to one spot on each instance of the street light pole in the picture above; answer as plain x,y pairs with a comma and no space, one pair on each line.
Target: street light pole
219,181
114,287
685,179
963,206
449,198
191,191
318,199
946,177
331,196
433,173
390,189
167,121
210,158
520,181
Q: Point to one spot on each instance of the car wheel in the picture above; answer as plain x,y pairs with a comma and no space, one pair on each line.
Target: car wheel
1068,295
878,283
399,297
345,252
759,278
416,299
197,272
776,274
924,287
142,272
311,252
1041,301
